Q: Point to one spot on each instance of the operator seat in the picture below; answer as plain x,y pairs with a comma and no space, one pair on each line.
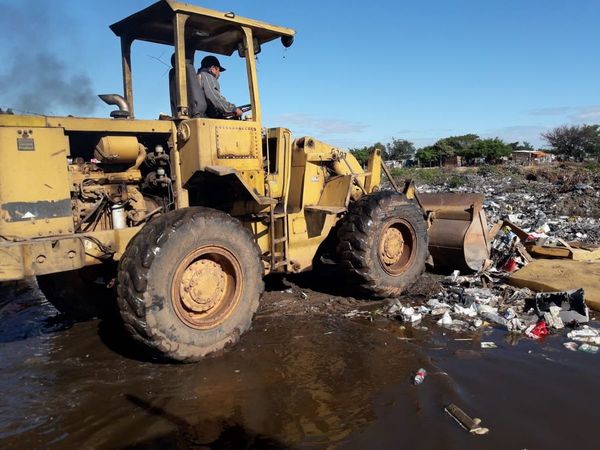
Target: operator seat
196,100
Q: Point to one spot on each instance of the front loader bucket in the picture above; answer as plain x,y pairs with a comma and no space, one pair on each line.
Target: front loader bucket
458,234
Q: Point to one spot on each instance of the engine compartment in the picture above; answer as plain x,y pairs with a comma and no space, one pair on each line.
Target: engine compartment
118,181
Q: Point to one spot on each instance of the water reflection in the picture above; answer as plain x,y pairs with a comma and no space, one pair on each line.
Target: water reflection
292,382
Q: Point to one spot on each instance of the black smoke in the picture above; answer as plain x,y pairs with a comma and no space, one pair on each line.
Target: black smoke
34,77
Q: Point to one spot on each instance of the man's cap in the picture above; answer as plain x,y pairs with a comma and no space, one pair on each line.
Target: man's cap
209,61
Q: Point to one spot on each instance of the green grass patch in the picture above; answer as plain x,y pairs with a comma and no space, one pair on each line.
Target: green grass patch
432,176
593,167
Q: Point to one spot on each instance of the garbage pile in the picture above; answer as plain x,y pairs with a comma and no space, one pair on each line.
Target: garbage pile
531,216
561,203
471,303
500,296
544,269
487,298
514,247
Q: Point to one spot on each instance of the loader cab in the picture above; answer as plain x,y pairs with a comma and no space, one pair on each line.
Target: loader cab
190,29
224,157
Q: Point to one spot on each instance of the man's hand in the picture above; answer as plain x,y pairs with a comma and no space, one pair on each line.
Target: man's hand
238,112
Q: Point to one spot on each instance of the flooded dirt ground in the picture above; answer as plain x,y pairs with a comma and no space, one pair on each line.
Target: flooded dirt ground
304,377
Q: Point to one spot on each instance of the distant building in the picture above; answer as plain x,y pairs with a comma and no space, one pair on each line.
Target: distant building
399,163
452,161
531,157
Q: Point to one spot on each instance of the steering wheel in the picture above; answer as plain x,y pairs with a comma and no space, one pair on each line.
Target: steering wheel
243,108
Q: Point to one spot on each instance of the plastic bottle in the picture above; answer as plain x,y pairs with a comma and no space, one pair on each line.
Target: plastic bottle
420,376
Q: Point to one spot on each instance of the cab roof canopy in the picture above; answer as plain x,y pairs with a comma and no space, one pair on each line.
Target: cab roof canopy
206,30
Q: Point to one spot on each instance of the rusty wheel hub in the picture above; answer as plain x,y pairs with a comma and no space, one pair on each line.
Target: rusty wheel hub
397,246
207,287
392,246
202,285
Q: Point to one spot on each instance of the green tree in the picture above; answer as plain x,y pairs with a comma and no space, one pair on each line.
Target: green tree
362,153
434,153
491,149
458,145
446,148
576,141
468,146
399,149
427,155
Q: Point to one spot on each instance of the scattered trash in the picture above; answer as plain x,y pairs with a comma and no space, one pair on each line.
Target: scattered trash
471,311
405,313
537,331
588,348
495,318
509,314
473,426
408,314
573,346
394,308
424,309
419,376
558,275
511,265
438,308
453,278
543,230
585,334
487,309
359,313
488,345
502,294
563,250
446,320
553,319
571,305
515,325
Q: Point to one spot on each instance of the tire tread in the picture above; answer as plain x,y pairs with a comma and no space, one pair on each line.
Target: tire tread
356,238
134,272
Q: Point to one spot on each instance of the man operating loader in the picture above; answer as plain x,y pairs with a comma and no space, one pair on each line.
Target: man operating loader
217,105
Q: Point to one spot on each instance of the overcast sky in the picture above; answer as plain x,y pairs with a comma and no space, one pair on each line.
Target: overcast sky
358,72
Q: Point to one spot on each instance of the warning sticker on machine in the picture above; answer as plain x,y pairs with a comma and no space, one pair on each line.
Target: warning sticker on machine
25,144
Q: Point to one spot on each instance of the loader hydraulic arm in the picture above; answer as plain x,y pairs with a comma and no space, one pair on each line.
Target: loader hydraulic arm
365,182
373,178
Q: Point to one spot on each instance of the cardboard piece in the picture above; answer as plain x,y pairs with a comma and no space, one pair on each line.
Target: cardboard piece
553,275
578,254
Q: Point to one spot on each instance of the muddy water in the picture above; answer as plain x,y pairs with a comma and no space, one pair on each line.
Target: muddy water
295,381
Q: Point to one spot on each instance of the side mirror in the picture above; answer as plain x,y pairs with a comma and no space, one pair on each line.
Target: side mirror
242,48
287,41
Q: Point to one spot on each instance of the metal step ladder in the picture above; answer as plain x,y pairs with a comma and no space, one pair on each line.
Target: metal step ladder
279,236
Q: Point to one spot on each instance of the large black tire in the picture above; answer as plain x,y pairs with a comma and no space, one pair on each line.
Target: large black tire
162,301
81,294
382,244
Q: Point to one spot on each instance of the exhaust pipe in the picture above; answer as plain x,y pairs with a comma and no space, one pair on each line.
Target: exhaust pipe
120,102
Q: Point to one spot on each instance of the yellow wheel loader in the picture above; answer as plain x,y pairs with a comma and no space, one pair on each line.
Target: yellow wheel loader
182,216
